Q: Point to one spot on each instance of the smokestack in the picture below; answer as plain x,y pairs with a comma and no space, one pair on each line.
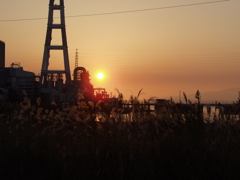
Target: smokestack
2,54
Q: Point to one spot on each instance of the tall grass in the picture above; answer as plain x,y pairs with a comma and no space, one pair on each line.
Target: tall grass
40,143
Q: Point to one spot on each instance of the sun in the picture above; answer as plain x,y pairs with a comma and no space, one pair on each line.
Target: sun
100,75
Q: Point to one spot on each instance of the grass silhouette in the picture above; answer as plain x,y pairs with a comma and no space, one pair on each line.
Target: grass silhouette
39,143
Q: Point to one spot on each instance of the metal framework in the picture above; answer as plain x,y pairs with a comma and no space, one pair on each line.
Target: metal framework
76,59
48,46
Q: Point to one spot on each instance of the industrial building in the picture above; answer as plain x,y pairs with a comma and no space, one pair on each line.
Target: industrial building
51,85
14,80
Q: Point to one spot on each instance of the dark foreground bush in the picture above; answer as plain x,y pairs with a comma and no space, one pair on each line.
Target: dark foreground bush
36,143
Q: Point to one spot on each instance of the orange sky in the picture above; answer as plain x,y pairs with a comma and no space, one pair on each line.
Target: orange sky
163,51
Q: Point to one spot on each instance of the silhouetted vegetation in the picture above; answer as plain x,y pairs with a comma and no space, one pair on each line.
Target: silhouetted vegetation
37,143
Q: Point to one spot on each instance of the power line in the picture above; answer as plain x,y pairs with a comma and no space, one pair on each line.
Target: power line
123,12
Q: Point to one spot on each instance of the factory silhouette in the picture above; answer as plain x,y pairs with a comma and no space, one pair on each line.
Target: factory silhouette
51,85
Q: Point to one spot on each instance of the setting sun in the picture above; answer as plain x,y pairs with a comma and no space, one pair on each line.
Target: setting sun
100,75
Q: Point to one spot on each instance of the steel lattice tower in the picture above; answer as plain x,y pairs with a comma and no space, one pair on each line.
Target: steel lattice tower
48,47
76,59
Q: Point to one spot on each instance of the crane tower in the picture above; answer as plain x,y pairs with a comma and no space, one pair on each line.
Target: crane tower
46,75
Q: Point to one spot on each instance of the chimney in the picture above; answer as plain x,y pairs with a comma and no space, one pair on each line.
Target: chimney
2,54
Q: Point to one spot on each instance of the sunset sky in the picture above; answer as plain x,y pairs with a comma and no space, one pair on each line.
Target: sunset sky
179,46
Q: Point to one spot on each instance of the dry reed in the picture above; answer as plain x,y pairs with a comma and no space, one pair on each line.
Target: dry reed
40,143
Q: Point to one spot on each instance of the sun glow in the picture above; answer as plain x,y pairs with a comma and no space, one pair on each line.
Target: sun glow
100,75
